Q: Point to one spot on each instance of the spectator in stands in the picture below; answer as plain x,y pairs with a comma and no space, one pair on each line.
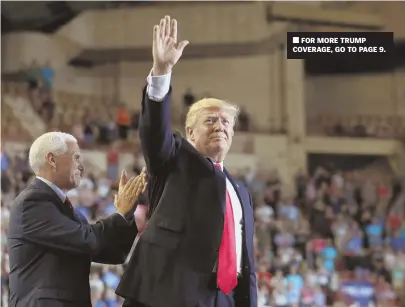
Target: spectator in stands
398,273
6,182
138,162
307,295
123,121
281,294
329,255
78,132
243,120
289,211
96,290
374,231
48,107
359,130
47,75
113,161
89,131
397,241
295,284
5,161
338,129
5,269
106,129
188,98
135,120
353,244
319,297
33,74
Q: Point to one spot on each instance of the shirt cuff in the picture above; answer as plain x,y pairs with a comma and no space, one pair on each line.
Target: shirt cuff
158,86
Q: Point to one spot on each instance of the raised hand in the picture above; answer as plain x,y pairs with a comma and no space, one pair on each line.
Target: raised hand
166,50
129,191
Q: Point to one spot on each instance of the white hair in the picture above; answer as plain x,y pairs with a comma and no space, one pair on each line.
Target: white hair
54,142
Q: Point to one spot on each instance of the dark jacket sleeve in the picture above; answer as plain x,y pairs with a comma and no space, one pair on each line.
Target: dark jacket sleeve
158,144
43,224
116,252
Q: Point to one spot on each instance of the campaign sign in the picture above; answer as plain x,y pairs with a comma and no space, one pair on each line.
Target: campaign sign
359,292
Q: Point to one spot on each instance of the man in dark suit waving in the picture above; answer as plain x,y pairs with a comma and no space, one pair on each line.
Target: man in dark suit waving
197,249
51,245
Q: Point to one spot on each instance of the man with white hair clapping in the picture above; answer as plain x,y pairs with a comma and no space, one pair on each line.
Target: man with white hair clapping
51,245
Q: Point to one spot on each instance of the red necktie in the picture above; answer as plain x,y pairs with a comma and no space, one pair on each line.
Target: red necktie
67,201
226,271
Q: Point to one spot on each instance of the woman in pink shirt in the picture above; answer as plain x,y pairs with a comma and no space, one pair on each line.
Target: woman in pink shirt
307,296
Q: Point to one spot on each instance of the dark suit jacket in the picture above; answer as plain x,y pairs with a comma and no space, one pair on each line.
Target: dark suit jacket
177,251
51,247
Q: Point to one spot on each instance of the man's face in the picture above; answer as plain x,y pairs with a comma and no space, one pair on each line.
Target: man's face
213,131
68,167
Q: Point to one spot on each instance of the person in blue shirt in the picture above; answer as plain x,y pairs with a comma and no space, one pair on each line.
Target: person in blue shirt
4,162
397,242
47,74
295,284
374,233
329,254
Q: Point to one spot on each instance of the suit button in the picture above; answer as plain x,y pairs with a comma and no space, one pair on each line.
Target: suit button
217,249
246,267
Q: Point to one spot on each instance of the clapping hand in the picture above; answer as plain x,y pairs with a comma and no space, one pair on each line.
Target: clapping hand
129,191
166,50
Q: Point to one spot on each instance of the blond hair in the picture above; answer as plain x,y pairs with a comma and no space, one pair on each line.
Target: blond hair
206,103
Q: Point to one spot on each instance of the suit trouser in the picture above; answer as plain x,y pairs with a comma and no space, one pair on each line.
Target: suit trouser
219,299
216,299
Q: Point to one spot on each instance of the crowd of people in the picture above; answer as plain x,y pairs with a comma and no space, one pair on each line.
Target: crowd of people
75,114
383,127
339,238
112,120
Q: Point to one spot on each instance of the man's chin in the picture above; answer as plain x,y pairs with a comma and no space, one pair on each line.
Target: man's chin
75,184
220,147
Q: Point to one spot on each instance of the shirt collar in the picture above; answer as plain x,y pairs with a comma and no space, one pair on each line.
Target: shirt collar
55,188
221,164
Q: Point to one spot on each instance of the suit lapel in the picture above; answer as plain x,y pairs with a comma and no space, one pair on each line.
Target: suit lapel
220,185
242,198
55,198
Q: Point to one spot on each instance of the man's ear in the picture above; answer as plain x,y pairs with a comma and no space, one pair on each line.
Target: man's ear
50,159
190,133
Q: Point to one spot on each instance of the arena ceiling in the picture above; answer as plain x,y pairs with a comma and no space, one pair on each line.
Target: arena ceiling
48,16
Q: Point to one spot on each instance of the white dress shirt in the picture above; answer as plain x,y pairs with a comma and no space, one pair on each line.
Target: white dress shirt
157,89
